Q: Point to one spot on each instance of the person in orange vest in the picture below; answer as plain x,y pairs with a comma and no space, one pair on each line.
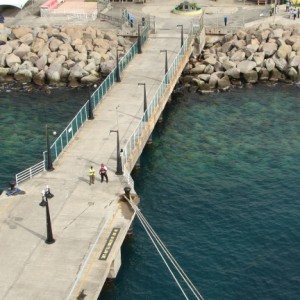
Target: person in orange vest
92,175
103,173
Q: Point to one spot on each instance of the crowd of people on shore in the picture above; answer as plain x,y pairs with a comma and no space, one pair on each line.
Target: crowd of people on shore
292,10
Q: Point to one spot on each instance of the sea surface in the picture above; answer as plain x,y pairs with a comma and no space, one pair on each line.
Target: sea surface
220,185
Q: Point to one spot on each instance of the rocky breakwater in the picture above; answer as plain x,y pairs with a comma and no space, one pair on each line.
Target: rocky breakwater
58,56
266,53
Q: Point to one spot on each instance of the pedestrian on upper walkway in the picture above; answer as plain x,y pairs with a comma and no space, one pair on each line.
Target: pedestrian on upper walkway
225,20
103,173
92,175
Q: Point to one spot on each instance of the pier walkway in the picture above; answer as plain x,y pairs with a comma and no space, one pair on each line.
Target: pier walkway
89,222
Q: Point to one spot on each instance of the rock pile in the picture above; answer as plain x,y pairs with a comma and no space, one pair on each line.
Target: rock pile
247,56
57,56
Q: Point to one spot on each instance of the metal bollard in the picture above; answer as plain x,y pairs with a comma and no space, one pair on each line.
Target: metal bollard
127,190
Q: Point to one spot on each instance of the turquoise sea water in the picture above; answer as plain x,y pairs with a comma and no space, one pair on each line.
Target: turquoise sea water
23,116
220,185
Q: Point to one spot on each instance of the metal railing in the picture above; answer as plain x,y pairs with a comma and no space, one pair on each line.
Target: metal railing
68,133
30,172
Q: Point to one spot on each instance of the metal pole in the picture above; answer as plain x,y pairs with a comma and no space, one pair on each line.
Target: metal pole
139,44
145,99
118,67
49,158
91,116
181,26
119,161
166,60
50,239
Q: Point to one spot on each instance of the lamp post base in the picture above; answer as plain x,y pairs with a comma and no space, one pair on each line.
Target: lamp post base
50,241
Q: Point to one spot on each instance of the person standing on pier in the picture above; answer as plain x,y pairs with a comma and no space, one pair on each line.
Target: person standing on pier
92,175
225,20
103,173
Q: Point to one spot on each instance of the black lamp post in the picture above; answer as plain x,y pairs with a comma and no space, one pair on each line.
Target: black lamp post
166,60
91,115
46,194
181,26
118,78
49,157
119,162
139,42
145,99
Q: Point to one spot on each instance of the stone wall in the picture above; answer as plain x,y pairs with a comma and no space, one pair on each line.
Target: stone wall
263,53
58,56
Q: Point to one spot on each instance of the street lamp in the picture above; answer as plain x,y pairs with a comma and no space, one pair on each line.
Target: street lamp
46,194
118,78
119,162
49,157
181,26
139,42
145,99
91,115
166,60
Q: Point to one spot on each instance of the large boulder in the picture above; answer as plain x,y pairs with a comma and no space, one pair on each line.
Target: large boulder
198,69
21,31
233,73
39,78
270,64
37,45
53,74
246,66
258,57
296,46
238,56
26,39
294,61
23,75
263,74
54,44
89,79
22,50
224,83
251,77
3,72
44,51
280,63
204,77
269,49
293,74
107,66
77,72
12,59
6,49
41,62
283,51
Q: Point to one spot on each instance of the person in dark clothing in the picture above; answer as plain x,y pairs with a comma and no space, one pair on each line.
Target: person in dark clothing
225,20
103,173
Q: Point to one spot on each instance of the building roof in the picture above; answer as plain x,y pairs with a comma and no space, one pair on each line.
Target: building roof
17,3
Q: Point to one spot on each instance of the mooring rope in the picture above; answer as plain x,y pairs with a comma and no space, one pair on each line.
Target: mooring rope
157,242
